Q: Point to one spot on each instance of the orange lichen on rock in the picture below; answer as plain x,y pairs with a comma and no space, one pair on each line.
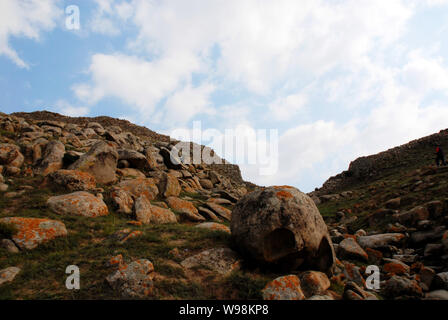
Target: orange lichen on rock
33,231
284,194
284,288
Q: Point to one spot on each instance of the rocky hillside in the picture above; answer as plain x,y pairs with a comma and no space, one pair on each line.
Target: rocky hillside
105,196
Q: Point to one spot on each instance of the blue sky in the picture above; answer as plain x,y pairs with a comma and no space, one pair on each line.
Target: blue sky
338,79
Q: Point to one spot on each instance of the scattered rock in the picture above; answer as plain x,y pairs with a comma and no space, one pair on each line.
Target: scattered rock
52,159
213,226
33,231
380,241
134,280
220,210
78,203
8,274
147,213
398,286
9,246
186,208
349,248
284,288
314,283
222,260
71,180
100,161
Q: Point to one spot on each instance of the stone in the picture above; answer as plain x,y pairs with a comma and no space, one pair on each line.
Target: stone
169,186
208,214
9,246
133,280
349,248
283,288
10,155
220,260
437,295
213,226
31,232
71,180
149,214
380,241
395,267
435,209
398,286
100,161
440,281
131,173
206,184
393,203
135,159
220,210
78,203
353,273
353,291
411,217
186,208
8,274
127,191
314,283
427,276
52,158
282,225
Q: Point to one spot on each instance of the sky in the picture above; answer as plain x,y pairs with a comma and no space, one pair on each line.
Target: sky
317,83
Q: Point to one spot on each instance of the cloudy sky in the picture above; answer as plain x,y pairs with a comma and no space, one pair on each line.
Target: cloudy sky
337,79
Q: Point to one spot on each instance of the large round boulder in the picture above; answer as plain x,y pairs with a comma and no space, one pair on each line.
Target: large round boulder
282,226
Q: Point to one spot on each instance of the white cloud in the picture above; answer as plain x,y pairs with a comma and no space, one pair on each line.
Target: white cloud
285,108
137,82
65,108
25,19
106,15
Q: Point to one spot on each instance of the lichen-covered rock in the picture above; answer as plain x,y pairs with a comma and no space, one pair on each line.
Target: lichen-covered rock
282,225
220,210
8,274
284,288
379,241
185,207
9,246
221,260
126,192
10,155
71,180
131,173
147,213
398,286
33,231
133,280
100,161
213,226
135,159
353,291
79,203
350,249
52,158
314,283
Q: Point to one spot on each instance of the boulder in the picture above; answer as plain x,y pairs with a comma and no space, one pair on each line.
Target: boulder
147,213
437,295
206,184
398,286
127,191
100,161
130,173
52,158
33,231
71,180
220,260
349,248
8,274
352,291
411,217
9,246
208,214
10,155
220,210
283,288
379,241
213,226
169,185
314,283
184,207
78,203
133,280
135,159
282,225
